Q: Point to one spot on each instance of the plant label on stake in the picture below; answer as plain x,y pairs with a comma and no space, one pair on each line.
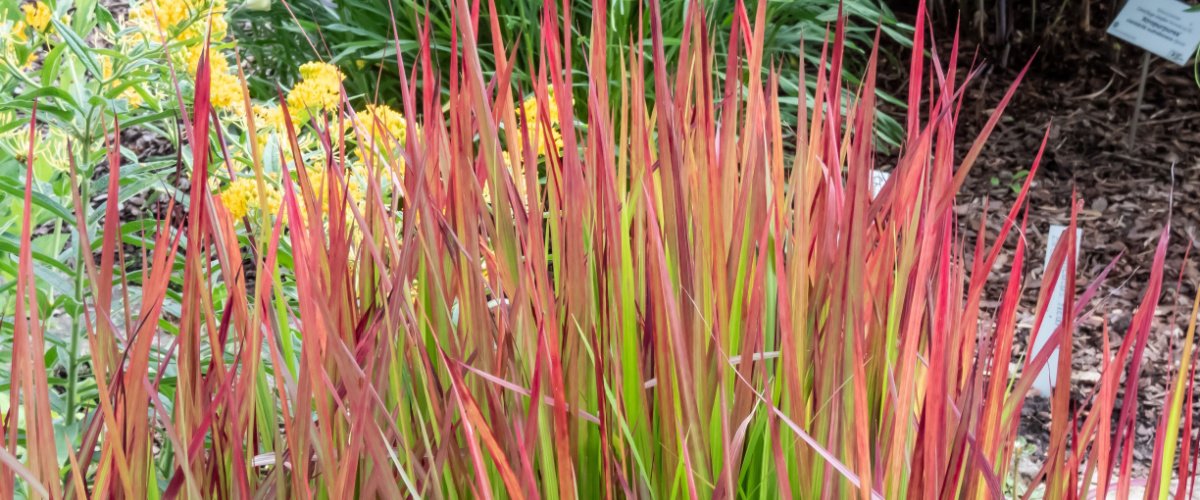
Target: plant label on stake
1167,28
1163,27
1054,310
878,179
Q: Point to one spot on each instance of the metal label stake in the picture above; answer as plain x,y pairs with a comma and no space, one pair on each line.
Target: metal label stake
1137,109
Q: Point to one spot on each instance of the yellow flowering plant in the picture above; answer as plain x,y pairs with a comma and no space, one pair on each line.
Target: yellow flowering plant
319,89
241,194
93,77
67,60
385,130
17,44
49,152
37,16
534,122
187,27
375,132
79,80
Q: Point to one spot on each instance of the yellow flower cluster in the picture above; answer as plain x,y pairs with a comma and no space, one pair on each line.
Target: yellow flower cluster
189,20
50,148
135,99
380,118
175,13
37,15
531,107
267,117
534,123
316,177
242,195
225,90
320,87
385,127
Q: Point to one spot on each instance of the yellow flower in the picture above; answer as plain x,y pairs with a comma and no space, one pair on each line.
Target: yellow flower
320,87
174,13
531,107
266,120
267,117
18,32
380,118
238,197
387,132
225,90
50,148
107,65
37,15
30,60
316,70
386,129
242,195
534,123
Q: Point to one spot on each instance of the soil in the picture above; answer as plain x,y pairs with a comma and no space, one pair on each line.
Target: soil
1082,85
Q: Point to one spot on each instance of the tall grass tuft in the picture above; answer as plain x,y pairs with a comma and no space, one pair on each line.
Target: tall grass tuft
688,301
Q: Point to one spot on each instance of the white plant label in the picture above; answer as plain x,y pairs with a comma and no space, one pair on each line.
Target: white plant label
1054,310
1162,27
878,179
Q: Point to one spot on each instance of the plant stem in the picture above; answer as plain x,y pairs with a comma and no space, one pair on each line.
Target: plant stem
76,326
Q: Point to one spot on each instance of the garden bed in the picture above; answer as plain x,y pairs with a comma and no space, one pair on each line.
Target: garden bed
1083,85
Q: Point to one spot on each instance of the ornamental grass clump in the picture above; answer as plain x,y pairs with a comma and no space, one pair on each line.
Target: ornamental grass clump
684,301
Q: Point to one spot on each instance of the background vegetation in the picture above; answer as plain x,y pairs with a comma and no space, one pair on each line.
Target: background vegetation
357,35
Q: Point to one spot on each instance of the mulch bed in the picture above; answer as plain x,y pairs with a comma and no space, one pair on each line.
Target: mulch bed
1083,86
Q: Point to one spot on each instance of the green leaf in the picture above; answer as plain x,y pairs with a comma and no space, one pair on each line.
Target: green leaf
51,64
105,19
42,169
79,47
9,186
10,245
54,92
43,107
150,117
